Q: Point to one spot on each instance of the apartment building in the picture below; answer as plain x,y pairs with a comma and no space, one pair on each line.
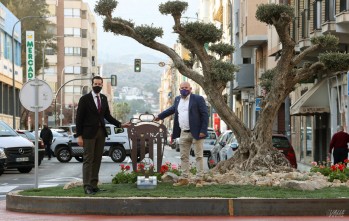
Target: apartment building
75,60
8,99
322,104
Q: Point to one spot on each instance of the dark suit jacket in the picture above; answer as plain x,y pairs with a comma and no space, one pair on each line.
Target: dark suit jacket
88,119
198,116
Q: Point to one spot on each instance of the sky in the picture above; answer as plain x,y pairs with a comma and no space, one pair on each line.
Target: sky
111,46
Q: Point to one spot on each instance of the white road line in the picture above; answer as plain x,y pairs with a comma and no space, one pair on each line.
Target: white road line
5,189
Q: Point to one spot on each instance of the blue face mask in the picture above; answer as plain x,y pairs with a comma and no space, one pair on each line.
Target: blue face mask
184,92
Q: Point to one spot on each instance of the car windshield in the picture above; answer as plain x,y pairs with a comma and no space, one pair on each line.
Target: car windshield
280,142
6,131
211,135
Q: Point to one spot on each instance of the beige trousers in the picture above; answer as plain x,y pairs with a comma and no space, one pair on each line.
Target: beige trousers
185,142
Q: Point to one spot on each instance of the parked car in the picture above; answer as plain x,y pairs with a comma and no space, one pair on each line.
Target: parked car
30,136
116,146
15,151
213,157
229,149
279,141
208,143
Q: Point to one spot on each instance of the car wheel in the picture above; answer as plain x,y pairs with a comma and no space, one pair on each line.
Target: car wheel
1,170
79,158
64,155
192,152
177,147
118,154
209,159
24,169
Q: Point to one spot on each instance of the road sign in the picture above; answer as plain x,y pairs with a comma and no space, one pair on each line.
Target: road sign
27,95
258,103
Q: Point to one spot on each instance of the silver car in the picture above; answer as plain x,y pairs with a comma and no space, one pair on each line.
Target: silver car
214,157
229,149
208,143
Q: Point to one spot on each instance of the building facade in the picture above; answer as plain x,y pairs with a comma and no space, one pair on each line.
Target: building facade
75,60
9,22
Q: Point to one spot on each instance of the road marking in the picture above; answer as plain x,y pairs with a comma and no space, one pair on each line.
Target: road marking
5,189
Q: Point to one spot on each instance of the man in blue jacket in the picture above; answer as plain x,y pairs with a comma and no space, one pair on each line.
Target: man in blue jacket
190,125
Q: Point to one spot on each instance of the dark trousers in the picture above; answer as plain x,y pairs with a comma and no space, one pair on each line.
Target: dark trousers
339,155
48,150
93,152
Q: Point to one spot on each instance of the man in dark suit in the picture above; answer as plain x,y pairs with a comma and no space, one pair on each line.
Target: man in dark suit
190,125
92,109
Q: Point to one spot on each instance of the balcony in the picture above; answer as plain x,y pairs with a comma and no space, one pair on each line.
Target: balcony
245,77
253,40
329,27
342,17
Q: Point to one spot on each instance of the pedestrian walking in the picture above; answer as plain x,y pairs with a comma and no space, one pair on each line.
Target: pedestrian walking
47,136
339,144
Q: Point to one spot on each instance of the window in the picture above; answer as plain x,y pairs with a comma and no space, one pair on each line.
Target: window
50,70
72,32
72,12
72,70
84,52
72,89
84,33
317,15
72,51
246,60
50,51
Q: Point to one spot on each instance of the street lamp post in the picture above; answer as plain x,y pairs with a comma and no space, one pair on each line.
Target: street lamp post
59,89
43,68
13,67
61,110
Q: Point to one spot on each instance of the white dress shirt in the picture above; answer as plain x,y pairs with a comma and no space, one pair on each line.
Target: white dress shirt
183,113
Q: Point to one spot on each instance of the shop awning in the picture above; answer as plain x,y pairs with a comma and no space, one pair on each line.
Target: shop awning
314,101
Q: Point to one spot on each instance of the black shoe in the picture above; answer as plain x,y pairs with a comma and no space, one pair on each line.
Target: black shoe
96,190
89,191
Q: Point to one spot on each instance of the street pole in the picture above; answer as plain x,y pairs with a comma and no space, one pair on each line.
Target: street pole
61,110
59,89
13,67
43,70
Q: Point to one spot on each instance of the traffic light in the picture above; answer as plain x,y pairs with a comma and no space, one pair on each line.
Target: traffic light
114,80
138,65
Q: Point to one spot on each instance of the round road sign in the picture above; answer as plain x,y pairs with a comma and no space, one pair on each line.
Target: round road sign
27,95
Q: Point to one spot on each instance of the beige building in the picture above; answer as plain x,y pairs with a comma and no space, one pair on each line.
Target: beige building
319,106
75,32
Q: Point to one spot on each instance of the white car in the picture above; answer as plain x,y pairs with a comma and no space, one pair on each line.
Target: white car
15,150
117,146
208,143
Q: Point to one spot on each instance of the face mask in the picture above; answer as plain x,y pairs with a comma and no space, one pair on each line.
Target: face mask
96,89
184,92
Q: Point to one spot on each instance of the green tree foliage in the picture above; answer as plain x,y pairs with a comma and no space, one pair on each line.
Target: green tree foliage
121,111
22,8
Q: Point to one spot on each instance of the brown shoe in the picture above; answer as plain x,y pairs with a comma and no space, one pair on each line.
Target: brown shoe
181,182
199,183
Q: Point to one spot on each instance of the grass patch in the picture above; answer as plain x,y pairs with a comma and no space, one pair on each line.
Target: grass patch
167,190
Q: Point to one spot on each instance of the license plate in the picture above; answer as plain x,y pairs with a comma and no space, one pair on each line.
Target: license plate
22,159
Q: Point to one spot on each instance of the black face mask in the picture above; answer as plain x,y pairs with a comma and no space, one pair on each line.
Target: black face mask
96,89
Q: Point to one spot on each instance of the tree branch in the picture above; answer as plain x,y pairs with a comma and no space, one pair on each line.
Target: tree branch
297,59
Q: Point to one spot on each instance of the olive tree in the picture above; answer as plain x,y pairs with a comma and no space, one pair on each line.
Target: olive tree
255,146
